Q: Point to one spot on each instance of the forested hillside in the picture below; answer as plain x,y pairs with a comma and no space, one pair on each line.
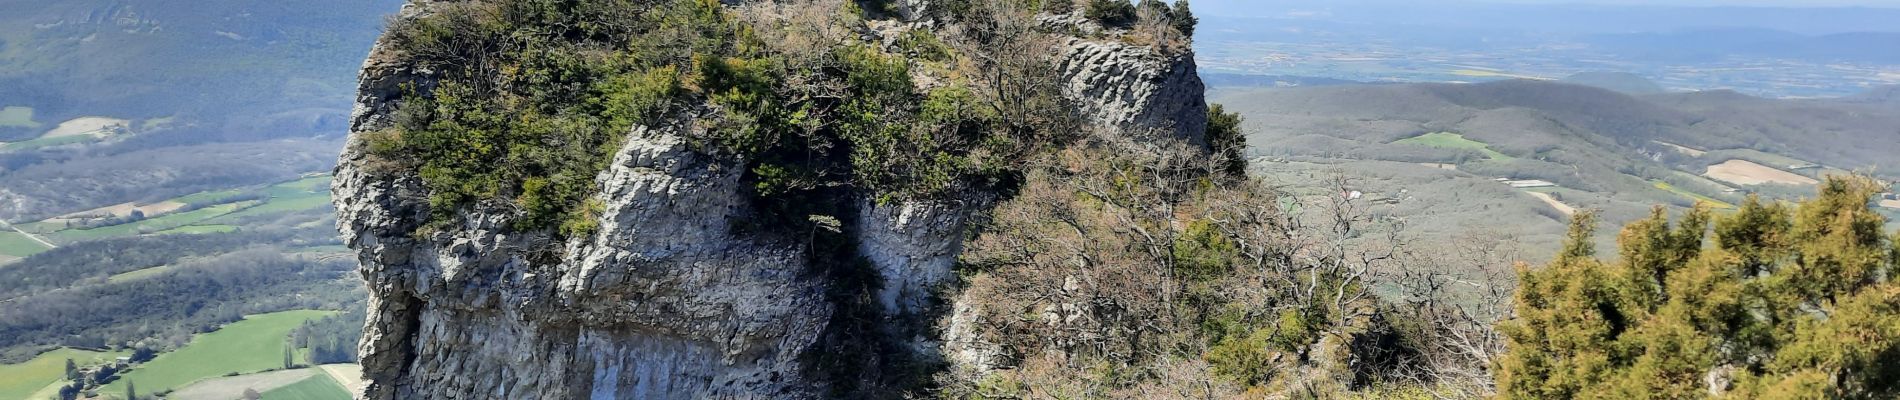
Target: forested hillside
104,102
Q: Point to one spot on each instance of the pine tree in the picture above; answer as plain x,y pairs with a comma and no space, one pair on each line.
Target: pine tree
288,360
131,391
72,370
1782,302
1184,19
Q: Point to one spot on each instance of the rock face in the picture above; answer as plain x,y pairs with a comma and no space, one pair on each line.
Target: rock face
1136,90
665,300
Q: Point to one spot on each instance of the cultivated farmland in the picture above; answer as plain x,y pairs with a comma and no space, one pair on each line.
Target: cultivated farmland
1743,172
21,381
255,344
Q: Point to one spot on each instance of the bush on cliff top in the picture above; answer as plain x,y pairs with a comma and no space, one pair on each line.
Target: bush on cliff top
535,96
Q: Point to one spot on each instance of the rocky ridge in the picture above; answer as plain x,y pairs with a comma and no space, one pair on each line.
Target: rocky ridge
665,300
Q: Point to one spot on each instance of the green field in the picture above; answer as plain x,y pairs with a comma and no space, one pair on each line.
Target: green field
167,221
1692,195
277,205
47,141
18,245
254,344
137,274
206,197
17,116
317,183
195,229
297,195
1450,140
316,387
21,381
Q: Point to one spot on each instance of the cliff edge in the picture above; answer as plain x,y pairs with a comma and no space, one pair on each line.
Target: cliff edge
684,283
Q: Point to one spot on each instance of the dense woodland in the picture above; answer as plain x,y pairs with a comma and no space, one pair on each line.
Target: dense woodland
163,311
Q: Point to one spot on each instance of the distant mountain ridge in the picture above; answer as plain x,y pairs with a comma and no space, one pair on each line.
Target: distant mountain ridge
1561,129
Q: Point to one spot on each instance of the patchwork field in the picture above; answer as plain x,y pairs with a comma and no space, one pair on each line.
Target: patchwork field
120,210
232,387
151,225
17,116
349,375
1693,195
199,229
17,244
255,344
318,387
1454,141
1685,150
1744,172
24,380
46,142
86,126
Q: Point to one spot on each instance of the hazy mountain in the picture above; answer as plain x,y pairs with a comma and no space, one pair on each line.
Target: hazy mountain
1716,44
178,79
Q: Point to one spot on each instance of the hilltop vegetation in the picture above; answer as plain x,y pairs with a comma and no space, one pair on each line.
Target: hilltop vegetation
813,112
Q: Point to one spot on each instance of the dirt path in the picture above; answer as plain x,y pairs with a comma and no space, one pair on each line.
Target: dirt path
349,375
29,235
1560,206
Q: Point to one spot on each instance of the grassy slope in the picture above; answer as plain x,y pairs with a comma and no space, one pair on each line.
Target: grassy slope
254,344
164,222
316,387
297,195
1673,189
1454,141
206,197
18,381
138,274
302,194
47,141
193,229
18,245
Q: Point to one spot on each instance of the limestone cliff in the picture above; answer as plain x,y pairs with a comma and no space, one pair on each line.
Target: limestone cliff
666,299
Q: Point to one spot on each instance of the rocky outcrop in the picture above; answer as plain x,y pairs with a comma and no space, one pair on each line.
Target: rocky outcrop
663,301
1136,90
666,299
913,245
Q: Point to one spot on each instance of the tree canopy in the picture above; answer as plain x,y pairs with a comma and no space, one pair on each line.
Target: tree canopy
1782,301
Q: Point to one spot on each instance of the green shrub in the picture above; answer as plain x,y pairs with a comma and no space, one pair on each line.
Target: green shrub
1785,302
925,44
1183,18
535,97
1058,7
1117,13
1227,140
